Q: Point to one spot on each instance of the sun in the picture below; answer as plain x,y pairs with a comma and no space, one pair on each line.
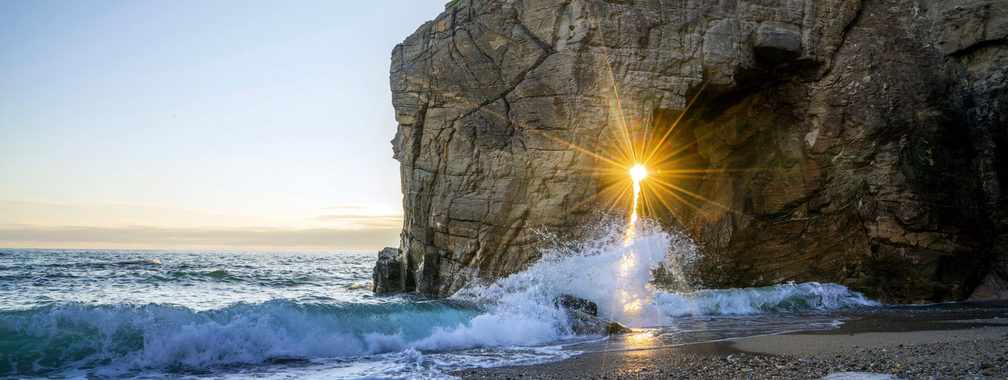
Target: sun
637,173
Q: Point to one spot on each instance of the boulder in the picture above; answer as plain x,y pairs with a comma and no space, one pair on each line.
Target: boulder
582,315
387,273
571,303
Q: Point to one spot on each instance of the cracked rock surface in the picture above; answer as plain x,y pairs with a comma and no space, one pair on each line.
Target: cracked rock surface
858,142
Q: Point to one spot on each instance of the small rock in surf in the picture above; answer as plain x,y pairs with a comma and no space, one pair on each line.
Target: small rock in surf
583,317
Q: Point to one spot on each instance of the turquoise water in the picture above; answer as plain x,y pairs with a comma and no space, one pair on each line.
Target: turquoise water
115,313
110,313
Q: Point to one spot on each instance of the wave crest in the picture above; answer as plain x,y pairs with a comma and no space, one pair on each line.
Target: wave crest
51,338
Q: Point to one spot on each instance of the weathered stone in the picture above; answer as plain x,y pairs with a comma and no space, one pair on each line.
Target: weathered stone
387,274
582,315
569,302
848,141
777,41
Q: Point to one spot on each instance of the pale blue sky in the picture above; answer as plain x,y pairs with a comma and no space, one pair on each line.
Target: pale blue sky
190,117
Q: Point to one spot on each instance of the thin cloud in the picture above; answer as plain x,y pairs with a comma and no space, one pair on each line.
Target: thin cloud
364,221
143,237
59,213
346,208
349,216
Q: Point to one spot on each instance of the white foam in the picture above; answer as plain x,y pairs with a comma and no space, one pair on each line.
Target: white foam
487,330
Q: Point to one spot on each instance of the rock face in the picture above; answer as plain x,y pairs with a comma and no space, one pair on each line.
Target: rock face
851,141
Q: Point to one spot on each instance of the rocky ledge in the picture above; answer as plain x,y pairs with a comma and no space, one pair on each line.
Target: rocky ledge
860,142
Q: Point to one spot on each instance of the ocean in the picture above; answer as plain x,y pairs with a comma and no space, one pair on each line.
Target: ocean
226,314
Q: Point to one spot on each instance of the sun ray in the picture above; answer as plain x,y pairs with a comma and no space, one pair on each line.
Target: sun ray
605,190
612,78
649,208
595,171
684,176
508,119
698,196
713,171
609,209
676,122
701,174
684,201
590,174
669,208
694,142
615,202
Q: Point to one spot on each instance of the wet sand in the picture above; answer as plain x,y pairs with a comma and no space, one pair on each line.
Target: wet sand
958,343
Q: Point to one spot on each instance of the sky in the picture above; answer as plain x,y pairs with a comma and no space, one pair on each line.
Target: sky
254,125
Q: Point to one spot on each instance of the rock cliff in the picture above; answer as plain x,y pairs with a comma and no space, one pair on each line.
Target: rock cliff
861,142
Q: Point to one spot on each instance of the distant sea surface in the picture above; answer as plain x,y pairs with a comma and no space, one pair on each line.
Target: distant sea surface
129,313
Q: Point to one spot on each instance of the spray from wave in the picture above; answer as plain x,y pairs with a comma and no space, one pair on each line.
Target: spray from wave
616,273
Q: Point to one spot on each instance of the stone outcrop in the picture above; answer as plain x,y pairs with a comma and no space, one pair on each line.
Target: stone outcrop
858,142
389,273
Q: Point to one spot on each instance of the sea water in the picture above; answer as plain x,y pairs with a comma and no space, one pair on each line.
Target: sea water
115,313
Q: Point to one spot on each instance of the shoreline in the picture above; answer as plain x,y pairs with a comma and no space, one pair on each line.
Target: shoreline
955,345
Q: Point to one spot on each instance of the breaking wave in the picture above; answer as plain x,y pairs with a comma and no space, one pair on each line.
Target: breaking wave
52,338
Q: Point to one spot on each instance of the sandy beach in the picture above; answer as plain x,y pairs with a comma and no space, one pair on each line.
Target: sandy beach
953,345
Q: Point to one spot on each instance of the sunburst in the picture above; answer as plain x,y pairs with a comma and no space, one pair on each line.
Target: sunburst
643,171
641,155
